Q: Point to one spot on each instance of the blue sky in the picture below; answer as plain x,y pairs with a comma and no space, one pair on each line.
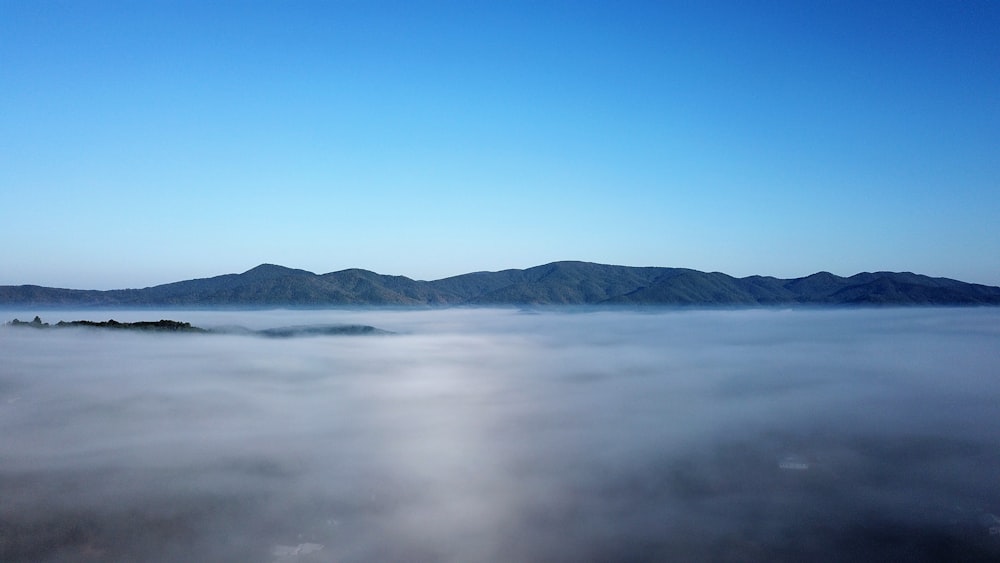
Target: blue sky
148,142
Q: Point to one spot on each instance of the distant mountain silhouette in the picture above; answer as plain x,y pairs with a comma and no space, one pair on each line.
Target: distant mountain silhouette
569,283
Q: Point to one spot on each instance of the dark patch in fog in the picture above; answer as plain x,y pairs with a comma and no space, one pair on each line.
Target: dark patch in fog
492,435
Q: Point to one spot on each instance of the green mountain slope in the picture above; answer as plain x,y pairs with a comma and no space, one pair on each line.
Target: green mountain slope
558,283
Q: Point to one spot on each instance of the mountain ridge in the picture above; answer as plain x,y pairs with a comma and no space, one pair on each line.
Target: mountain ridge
556,283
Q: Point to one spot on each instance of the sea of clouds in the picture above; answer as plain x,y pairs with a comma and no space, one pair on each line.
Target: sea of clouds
505,435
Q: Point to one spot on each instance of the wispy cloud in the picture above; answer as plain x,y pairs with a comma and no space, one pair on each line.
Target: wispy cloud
505,435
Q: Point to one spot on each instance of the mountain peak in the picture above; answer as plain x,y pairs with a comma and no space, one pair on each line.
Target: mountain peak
273,270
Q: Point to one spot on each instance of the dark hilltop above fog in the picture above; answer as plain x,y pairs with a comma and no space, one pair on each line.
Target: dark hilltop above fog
164,325
160,326
569,283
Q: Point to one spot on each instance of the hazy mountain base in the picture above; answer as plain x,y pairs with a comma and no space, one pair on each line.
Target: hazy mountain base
484,435
559,283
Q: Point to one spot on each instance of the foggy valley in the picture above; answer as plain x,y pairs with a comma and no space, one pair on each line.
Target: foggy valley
487,434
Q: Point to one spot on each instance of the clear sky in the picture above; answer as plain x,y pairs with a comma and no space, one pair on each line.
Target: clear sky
145,142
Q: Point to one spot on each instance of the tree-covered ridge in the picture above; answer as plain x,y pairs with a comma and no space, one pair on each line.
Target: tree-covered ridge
161,325
164,325
571,283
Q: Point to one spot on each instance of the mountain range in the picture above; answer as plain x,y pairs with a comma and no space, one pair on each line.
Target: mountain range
558,283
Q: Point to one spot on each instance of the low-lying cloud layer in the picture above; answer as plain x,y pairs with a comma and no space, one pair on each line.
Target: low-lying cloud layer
502,435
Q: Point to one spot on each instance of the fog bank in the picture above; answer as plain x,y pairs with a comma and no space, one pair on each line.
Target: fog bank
505,435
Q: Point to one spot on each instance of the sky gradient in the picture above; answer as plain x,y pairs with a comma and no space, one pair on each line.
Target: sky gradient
148,142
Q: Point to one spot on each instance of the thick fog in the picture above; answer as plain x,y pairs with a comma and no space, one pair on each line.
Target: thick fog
505,435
